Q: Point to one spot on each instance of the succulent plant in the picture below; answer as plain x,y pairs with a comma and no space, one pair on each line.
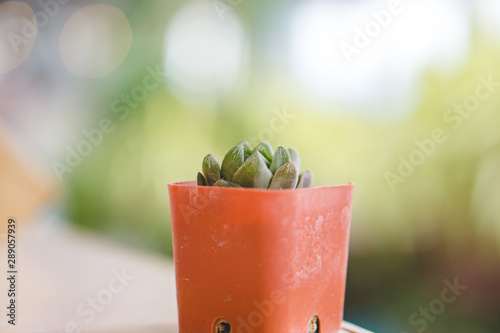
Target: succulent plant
233,160
259,167
211,169
254,172
286,177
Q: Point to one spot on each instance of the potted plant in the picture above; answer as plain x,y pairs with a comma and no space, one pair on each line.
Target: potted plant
256,249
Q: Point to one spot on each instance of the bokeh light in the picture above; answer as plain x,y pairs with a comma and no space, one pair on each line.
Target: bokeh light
203,54
385,65
18,31
95,40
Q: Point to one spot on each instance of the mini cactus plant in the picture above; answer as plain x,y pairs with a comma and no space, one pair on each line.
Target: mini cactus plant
259,167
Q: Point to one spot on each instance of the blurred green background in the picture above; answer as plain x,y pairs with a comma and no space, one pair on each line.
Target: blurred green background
231,67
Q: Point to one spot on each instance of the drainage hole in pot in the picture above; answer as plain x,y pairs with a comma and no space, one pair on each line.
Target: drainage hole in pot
313,326
221,325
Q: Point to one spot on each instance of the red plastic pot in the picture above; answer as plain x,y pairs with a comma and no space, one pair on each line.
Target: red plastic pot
250,260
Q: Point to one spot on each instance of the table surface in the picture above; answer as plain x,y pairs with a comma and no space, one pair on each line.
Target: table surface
69,279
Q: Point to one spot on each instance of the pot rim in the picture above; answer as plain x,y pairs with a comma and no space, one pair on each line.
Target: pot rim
193,183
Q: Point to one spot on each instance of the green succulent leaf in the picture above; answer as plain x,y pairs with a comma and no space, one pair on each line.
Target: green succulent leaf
266,150
201,180
211,169
225,183
294,157
233,160
281,156
286,177
305,179
247,146
254,172
259,167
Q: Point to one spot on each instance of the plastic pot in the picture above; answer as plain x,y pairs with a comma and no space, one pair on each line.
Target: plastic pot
250,260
